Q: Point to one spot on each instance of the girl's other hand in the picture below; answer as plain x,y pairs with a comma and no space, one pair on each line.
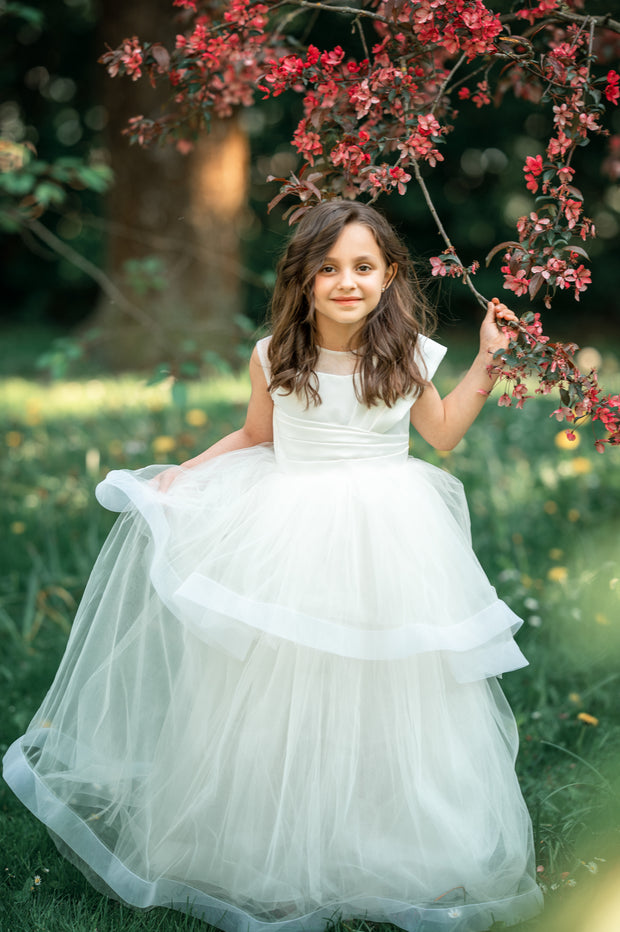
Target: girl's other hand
164,480
492,338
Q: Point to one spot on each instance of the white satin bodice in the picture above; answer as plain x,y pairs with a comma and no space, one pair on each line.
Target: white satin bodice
341,427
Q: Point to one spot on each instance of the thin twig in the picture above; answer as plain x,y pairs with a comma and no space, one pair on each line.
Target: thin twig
98,275
329,8
444,85
360,29
604,22
482,301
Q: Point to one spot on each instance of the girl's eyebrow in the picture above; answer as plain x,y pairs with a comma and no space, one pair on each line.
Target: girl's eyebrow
357,259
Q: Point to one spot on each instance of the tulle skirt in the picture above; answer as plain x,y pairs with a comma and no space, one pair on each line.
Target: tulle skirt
279,705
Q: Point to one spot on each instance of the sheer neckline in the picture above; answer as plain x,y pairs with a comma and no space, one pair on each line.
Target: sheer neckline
338,352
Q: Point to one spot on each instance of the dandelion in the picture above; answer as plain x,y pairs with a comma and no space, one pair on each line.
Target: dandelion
18,527
558,574
196,417
601,619
164,444
573,515
556,554
550,507
588,720
575,698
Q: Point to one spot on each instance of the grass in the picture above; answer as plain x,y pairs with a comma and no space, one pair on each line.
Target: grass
545,526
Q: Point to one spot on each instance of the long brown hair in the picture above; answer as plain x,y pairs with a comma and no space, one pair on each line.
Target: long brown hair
386,367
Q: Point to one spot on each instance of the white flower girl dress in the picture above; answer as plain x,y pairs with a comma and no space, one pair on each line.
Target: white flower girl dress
279,703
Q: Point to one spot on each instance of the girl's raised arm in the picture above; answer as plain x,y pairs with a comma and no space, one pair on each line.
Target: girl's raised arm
258,427
444,421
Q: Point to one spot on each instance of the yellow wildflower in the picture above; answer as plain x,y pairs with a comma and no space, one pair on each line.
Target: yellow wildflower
556,554
196,417
601,619
573,515
18,527
574,697
164,444
587,719
550,507
558,574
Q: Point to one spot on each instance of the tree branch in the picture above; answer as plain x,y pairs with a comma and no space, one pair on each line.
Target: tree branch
330,8
604,22
482,301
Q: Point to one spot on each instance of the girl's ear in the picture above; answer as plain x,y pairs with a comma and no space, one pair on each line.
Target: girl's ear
390,275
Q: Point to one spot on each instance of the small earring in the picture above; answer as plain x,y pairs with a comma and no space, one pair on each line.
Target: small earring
383,289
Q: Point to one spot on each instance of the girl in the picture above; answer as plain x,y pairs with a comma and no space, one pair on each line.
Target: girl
279,701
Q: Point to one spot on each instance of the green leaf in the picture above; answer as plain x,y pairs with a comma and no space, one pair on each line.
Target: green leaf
18,183
47,192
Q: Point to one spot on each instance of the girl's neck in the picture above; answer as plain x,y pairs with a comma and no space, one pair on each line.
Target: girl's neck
337,339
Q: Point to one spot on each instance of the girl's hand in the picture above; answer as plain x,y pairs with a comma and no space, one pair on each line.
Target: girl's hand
164,480
492,338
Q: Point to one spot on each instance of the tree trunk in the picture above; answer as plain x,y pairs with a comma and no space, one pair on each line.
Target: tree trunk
185,210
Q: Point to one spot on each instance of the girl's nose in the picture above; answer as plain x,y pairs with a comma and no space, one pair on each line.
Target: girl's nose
346,279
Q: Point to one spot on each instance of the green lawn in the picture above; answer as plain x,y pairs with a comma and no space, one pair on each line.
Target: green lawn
545,523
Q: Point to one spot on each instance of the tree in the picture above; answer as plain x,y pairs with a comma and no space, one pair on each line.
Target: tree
378,116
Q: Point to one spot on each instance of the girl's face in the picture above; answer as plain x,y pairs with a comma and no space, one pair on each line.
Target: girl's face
347,287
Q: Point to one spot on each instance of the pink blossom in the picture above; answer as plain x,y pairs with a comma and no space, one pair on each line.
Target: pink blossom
612,90
399,178
438,266
518,283
533,168
565,174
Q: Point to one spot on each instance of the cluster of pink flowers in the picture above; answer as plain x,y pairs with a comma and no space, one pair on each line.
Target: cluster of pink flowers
612,89
448,264
127,59
531,353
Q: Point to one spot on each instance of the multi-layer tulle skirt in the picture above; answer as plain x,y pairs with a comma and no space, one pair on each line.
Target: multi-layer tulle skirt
279,705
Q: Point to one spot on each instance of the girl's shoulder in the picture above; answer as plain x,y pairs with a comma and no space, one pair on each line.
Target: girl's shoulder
429,354
262,347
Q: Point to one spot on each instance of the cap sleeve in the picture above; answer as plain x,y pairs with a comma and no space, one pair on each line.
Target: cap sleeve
261,347
428,355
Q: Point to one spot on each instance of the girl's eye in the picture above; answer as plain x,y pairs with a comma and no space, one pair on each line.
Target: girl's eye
326,268
364,268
